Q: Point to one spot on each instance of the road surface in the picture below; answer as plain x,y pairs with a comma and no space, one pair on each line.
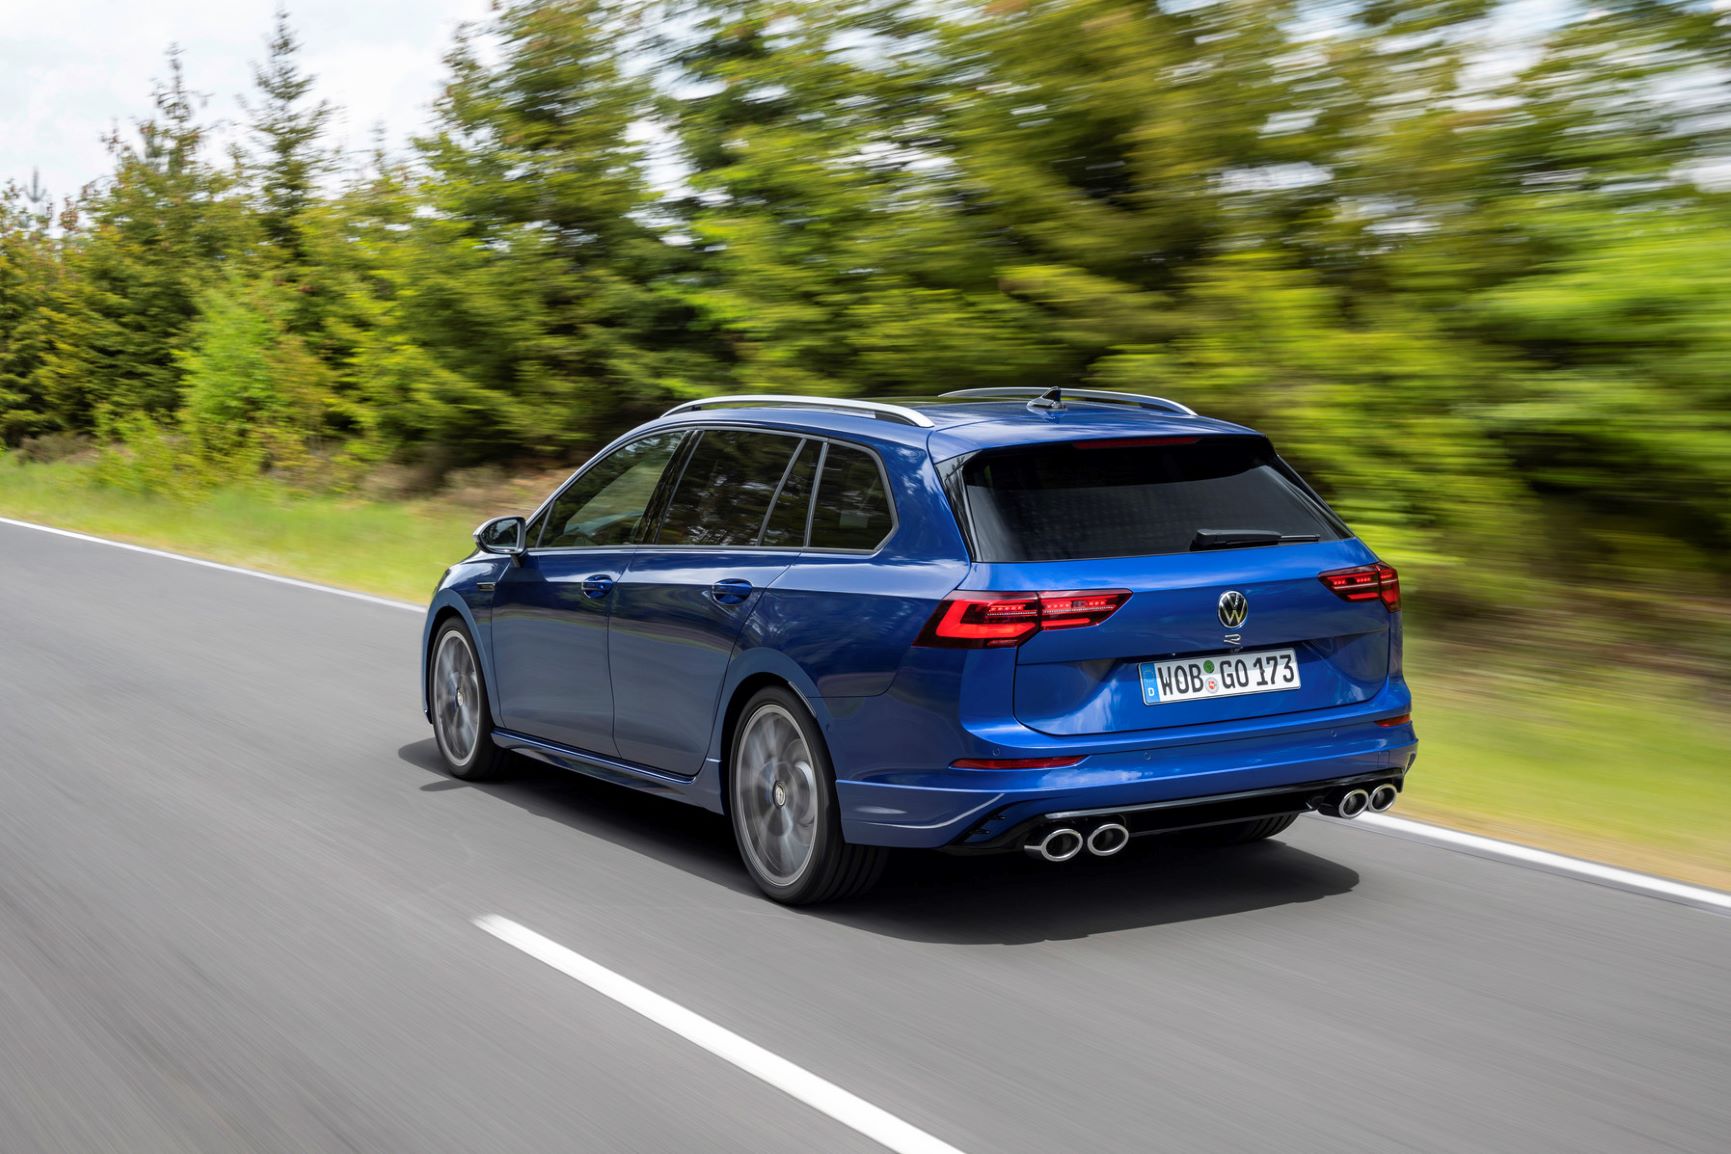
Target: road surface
238,907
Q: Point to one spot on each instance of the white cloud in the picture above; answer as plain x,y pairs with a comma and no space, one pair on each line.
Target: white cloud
72,69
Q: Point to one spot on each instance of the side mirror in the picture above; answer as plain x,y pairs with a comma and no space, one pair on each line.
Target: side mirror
503,536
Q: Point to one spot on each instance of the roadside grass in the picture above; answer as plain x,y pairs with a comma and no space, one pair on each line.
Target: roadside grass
1634,775
390,548
1637,775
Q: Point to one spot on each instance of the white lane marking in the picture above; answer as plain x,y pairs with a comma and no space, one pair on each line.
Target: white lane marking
1663,887
1655,885
131,548
828,1098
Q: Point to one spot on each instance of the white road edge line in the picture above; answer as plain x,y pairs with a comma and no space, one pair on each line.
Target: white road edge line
1663,887
826,1097
280,580
1594,871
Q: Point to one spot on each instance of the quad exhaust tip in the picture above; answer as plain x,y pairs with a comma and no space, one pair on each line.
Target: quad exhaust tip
1353,802
1382,798
1059,844
1108,838
1063,842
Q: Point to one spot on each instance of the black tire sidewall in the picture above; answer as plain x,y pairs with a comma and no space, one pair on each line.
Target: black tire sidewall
477,763
828,836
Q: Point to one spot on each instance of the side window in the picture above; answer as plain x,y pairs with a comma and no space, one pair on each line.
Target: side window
786,524
726,488
852,510
532,535
605,504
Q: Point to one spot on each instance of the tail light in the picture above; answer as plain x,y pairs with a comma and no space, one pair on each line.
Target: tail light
990,620
1377,582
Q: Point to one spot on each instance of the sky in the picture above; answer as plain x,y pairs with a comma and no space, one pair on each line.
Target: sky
71,69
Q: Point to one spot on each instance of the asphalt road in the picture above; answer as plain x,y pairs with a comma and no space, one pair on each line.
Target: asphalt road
237,901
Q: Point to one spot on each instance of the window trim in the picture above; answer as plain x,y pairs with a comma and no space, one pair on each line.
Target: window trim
817,491
690,434
775,497
539,549
667,498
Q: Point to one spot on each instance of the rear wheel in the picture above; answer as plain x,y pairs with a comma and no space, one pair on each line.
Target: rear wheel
457,697
781,794
1241,832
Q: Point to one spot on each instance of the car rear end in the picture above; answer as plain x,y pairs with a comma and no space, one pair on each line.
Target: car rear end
1158,630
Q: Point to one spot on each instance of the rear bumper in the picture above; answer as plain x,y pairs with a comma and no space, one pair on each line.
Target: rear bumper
982,810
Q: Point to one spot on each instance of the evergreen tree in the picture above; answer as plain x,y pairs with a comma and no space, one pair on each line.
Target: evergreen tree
288,129
29,272
147,241
535,268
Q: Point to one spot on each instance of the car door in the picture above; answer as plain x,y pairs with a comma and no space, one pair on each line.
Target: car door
686,593
549,631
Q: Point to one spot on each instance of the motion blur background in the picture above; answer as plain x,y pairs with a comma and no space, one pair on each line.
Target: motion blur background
1468,263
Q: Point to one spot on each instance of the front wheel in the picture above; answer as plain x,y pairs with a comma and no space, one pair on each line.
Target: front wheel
457,695
781,791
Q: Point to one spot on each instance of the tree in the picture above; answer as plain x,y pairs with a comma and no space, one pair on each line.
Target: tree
536,275
29,272
254,396
288,129
143,245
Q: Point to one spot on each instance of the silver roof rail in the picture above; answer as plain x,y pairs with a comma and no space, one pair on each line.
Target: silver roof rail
900,413
1140,400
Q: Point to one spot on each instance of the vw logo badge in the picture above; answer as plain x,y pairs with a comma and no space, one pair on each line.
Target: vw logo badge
1233,609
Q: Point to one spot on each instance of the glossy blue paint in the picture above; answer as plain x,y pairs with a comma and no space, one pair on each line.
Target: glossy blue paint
549,639
1082,681
632,677
672,636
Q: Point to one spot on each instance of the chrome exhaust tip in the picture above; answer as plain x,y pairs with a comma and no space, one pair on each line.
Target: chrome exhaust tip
1059,844
1353,802
1108,838
1382,798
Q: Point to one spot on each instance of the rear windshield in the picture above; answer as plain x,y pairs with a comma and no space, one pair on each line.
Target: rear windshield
1082,499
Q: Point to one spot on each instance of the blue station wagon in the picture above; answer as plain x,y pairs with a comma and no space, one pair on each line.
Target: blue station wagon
996,620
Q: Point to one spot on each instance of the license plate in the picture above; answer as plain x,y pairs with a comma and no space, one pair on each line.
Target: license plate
1218,675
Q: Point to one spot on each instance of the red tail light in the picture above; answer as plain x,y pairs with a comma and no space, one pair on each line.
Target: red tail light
1377,582
983,620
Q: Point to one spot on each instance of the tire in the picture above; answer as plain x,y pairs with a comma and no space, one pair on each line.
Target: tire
1241,832
781,801
457,702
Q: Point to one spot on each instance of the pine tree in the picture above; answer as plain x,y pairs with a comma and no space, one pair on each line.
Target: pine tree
29,269
288,129
146,242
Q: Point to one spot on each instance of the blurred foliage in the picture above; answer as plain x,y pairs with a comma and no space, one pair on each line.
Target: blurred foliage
1473,276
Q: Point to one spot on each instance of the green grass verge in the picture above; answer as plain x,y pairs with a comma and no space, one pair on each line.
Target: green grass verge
1635,775
392,548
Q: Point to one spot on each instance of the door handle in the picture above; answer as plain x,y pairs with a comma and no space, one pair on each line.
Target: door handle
730,590
597,587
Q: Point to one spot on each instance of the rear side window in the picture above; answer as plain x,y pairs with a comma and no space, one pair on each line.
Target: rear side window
852,510
786,525
726,488
1082,500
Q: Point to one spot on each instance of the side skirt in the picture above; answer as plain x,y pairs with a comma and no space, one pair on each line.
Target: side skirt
616,770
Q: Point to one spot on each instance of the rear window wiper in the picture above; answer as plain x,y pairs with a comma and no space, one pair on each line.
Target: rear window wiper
1245,538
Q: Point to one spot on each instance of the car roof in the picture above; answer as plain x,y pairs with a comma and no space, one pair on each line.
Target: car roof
963,425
